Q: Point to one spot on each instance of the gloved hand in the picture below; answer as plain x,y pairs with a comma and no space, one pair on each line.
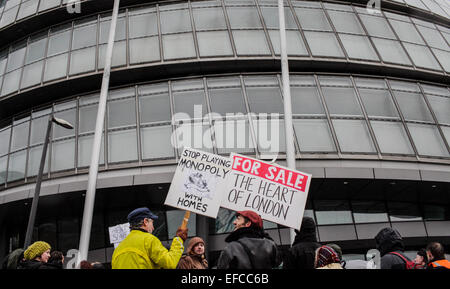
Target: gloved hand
182,233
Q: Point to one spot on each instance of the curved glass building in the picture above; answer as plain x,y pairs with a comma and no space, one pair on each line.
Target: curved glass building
370,102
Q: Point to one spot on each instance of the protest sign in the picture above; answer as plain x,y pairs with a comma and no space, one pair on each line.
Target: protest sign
118,233
276,193
196,181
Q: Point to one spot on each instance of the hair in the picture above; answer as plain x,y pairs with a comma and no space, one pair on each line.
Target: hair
97,265
136,225
437,250
423,253
85,265
55,257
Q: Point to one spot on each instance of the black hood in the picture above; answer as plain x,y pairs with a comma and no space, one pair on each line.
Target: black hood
307,231
389,240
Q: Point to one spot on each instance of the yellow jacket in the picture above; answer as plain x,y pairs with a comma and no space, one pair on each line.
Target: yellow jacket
141,250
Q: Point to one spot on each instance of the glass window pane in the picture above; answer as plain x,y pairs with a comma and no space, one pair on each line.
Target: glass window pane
119,56
406,31
377,26
345,22
67,115
250,43
58,43
154,108
209,19
11,82
422,56
85,144
20,136
265,99
391,51
120,30
358,47
270,15
32,74
3,163
47,4
118,140
143,25
195,135
314,135
332,212
55,67
306,101
441,108
121,113
82,61
88,117
348,131
144,50
227,100
173,222
323,44
401,212
233,136
84,36
369,212
444,58
192,103
16,170
391,137
295,45
172,44
413,106
162,148
243,17
435,213
36,50
341,101
427,139
433,37
34,161
15,59
5,135
270,135
38,129
215,43
3,59
378,102
175,21
312,19
8,16
63,153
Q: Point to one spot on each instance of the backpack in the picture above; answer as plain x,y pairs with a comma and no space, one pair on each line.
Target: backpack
408,264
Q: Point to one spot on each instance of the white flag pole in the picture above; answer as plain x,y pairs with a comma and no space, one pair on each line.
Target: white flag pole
93,169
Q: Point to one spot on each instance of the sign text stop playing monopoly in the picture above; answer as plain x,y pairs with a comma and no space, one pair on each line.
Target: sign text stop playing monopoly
277,193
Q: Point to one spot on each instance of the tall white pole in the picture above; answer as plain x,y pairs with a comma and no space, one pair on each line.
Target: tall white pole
93,169
290,149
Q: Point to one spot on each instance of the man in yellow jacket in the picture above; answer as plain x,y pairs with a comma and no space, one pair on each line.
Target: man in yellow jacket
142,250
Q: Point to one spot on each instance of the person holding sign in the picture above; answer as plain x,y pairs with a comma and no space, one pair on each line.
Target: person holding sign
249,246
142,250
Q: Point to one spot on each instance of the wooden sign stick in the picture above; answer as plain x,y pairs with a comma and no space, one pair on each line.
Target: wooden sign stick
185,220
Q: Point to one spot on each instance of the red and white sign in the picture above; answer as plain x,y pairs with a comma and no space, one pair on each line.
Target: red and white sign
277,193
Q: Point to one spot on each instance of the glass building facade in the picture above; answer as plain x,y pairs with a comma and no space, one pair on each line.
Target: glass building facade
370,103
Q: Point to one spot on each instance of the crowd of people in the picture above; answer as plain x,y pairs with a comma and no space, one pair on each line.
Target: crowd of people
248,247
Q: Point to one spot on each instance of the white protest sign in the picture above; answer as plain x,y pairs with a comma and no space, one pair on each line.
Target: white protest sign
276,193
197,178
118,233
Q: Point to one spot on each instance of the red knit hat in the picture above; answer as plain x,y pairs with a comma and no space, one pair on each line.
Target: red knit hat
326,255
253,217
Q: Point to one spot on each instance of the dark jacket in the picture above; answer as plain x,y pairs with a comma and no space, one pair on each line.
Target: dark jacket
30,264
389,240
303,251
52,265
262,251
12,260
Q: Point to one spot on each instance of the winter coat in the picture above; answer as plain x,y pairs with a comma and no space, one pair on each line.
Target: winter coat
389,240
30,264
12,260
262,251
52,265
303,251
332,266
142,250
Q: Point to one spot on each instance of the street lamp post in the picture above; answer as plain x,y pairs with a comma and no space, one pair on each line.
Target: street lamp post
51,120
